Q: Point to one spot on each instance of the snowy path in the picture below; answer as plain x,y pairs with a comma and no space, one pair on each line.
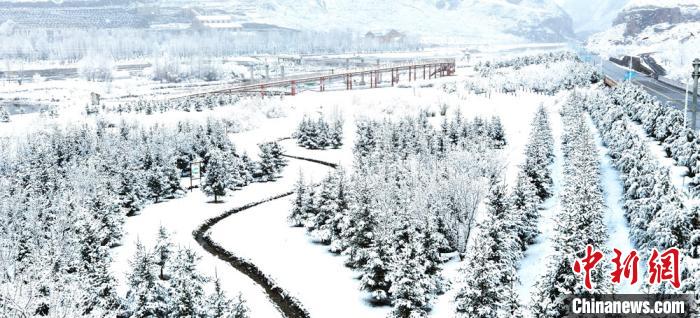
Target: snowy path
532,265
613,192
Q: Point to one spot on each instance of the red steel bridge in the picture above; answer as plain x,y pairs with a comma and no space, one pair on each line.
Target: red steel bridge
374,77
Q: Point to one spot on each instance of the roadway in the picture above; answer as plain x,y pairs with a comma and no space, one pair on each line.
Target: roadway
665,93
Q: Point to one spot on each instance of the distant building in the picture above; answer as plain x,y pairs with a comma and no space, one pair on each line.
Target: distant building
221,22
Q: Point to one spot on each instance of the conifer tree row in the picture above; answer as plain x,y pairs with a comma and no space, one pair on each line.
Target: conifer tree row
665,124
655,209
579,223
193,103
319,134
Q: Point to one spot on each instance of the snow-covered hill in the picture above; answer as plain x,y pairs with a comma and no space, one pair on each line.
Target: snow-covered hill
593,15
467,20
669,31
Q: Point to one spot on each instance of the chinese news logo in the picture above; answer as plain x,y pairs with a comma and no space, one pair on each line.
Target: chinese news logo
662,267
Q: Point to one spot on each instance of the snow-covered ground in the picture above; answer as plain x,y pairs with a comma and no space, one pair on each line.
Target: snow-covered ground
308,270
182,216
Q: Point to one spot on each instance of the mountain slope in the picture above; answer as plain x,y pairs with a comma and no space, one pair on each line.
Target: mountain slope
470,20
593,15
669,31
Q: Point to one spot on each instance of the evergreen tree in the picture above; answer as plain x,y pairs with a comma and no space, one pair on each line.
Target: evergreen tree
277,153
218,305
410,287
95,260
270,162
132,191
188,298
375,272
491,270
163,251
365,139
217,178
147,296
327,205
496,132
4,115
296,217
323,129
246,169
525,210
339,220
362,227
335,134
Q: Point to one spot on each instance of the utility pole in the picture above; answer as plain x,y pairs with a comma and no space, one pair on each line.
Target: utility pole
696,76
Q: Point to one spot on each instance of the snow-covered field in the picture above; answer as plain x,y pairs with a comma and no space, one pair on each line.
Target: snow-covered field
297,263
287,254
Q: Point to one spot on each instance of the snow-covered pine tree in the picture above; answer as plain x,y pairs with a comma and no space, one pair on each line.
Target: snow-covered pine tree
413,275
163,251
132,191
433,242
246,170
277,154
101,296
162,174
363,225
187,285
496,132
268,165
147,295
308,134
525,210
218,305
156,179
411,286
490,274
365,137
323,129
335,134
538,154
298,213
327,207
375,271
339,221
673,223
217,178
4,115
